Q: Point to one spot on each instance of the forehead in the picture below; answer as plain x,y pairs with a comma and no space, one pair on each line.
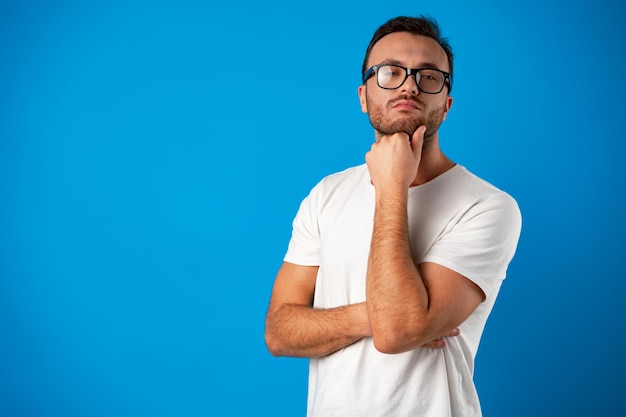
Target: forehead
409,49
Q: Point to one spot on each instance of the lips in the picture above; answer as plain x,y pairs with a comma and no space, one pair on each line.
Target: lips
405,105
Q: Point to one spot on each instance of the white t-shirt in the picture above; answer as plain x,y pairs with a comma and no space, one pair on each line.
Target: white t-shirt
456,220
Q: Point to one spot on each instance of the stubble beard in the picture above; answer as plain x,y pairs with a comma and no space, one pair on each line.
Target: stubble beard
408,124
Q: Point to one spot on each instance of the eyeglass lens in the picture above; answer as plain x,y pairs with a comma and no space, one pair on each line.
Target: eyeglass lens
391,76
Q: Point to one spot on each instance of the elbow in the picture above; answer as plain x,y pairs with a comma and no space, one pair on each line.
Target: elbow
398,339
385,345
389,344
272,341
273,344
273,347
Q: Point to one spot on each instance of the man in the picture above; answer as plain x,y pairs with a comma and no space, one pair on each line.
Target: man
394,266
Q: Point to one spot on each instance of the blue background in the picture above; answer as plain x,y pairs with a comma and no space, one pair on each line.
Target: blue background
153,155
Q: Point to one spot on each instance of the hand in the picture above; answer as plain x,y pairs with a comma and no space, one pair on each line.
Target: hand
394,159
440,342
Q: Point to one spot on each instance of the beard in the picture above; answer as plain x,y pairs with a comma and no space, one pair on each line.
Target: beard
380,120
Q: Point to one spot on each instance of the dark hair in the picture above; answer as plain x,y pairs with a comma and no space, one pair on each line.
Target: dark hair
416,25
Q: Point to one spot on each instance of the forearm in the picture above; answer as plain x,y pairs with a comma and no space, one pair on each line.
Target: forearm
302,331
397,298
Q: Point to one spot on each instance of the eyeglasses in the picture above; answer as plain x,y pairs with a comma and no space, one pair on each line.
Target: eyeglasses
390,77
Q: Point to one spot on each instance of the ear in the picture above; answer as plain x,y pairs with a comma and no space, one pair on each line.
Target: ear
448,105
362,95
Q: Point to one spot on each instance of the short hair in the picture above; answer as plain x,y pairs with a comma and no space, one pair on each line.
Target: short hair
421,25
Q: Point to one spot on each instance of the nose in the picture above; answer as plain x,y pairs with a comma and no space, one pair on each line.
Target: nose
410,85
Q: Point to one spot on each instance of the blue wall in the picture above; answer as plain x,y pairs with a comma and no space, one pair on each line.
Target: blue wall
153,155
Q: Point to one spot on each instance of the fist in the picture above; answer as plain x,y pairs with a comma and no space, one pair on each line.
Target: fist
394,159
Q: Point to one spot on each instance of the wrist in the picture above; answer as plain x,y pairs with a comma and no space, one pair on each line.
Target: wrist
363,321
391,194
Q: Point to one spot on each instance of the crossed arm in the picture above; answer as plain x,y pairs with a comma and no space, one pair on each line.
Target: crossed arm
294,328
408,305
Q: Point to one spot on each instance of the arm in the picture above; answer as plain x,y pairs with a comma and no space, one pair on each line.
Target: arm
407,304
294,328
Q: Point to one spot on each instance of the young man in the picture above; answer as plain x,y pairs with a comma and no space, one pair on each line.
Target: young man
394,266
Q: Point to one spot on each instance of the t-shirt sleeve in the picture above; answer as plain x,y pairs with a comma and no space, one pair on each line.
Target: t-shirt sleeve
482,242
305,244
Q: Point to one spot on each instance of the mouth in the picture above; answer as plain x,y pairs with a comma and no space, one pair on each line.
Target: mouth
405,105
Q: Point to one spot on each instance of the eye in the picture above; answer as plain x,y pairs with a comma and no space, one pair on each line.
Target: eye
431,75
390,71
397,71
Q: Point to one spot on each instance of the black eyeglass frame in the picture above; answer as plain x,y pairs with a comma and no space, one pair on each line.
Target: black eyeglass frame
447,77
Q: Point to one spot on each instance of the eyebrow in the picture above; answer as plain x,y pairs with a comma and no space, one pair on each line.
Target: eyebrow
423,65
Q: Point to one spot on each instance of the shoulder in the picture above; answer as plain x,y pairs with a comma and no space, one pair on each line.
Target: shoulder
348,178
482,185
477,188
463,198
352,174
335,185
487,200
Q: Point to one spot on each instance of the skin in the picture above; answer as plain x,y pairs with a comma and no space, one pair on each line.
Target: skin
408,306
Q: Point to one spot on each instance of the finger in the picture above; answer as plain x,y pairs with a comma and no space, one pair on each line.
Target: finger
453,332
397,136
419,133
417,139
435,344
441,342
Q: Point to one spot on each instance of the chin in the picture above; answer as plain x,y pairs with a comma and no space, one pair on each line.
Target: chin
408,127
